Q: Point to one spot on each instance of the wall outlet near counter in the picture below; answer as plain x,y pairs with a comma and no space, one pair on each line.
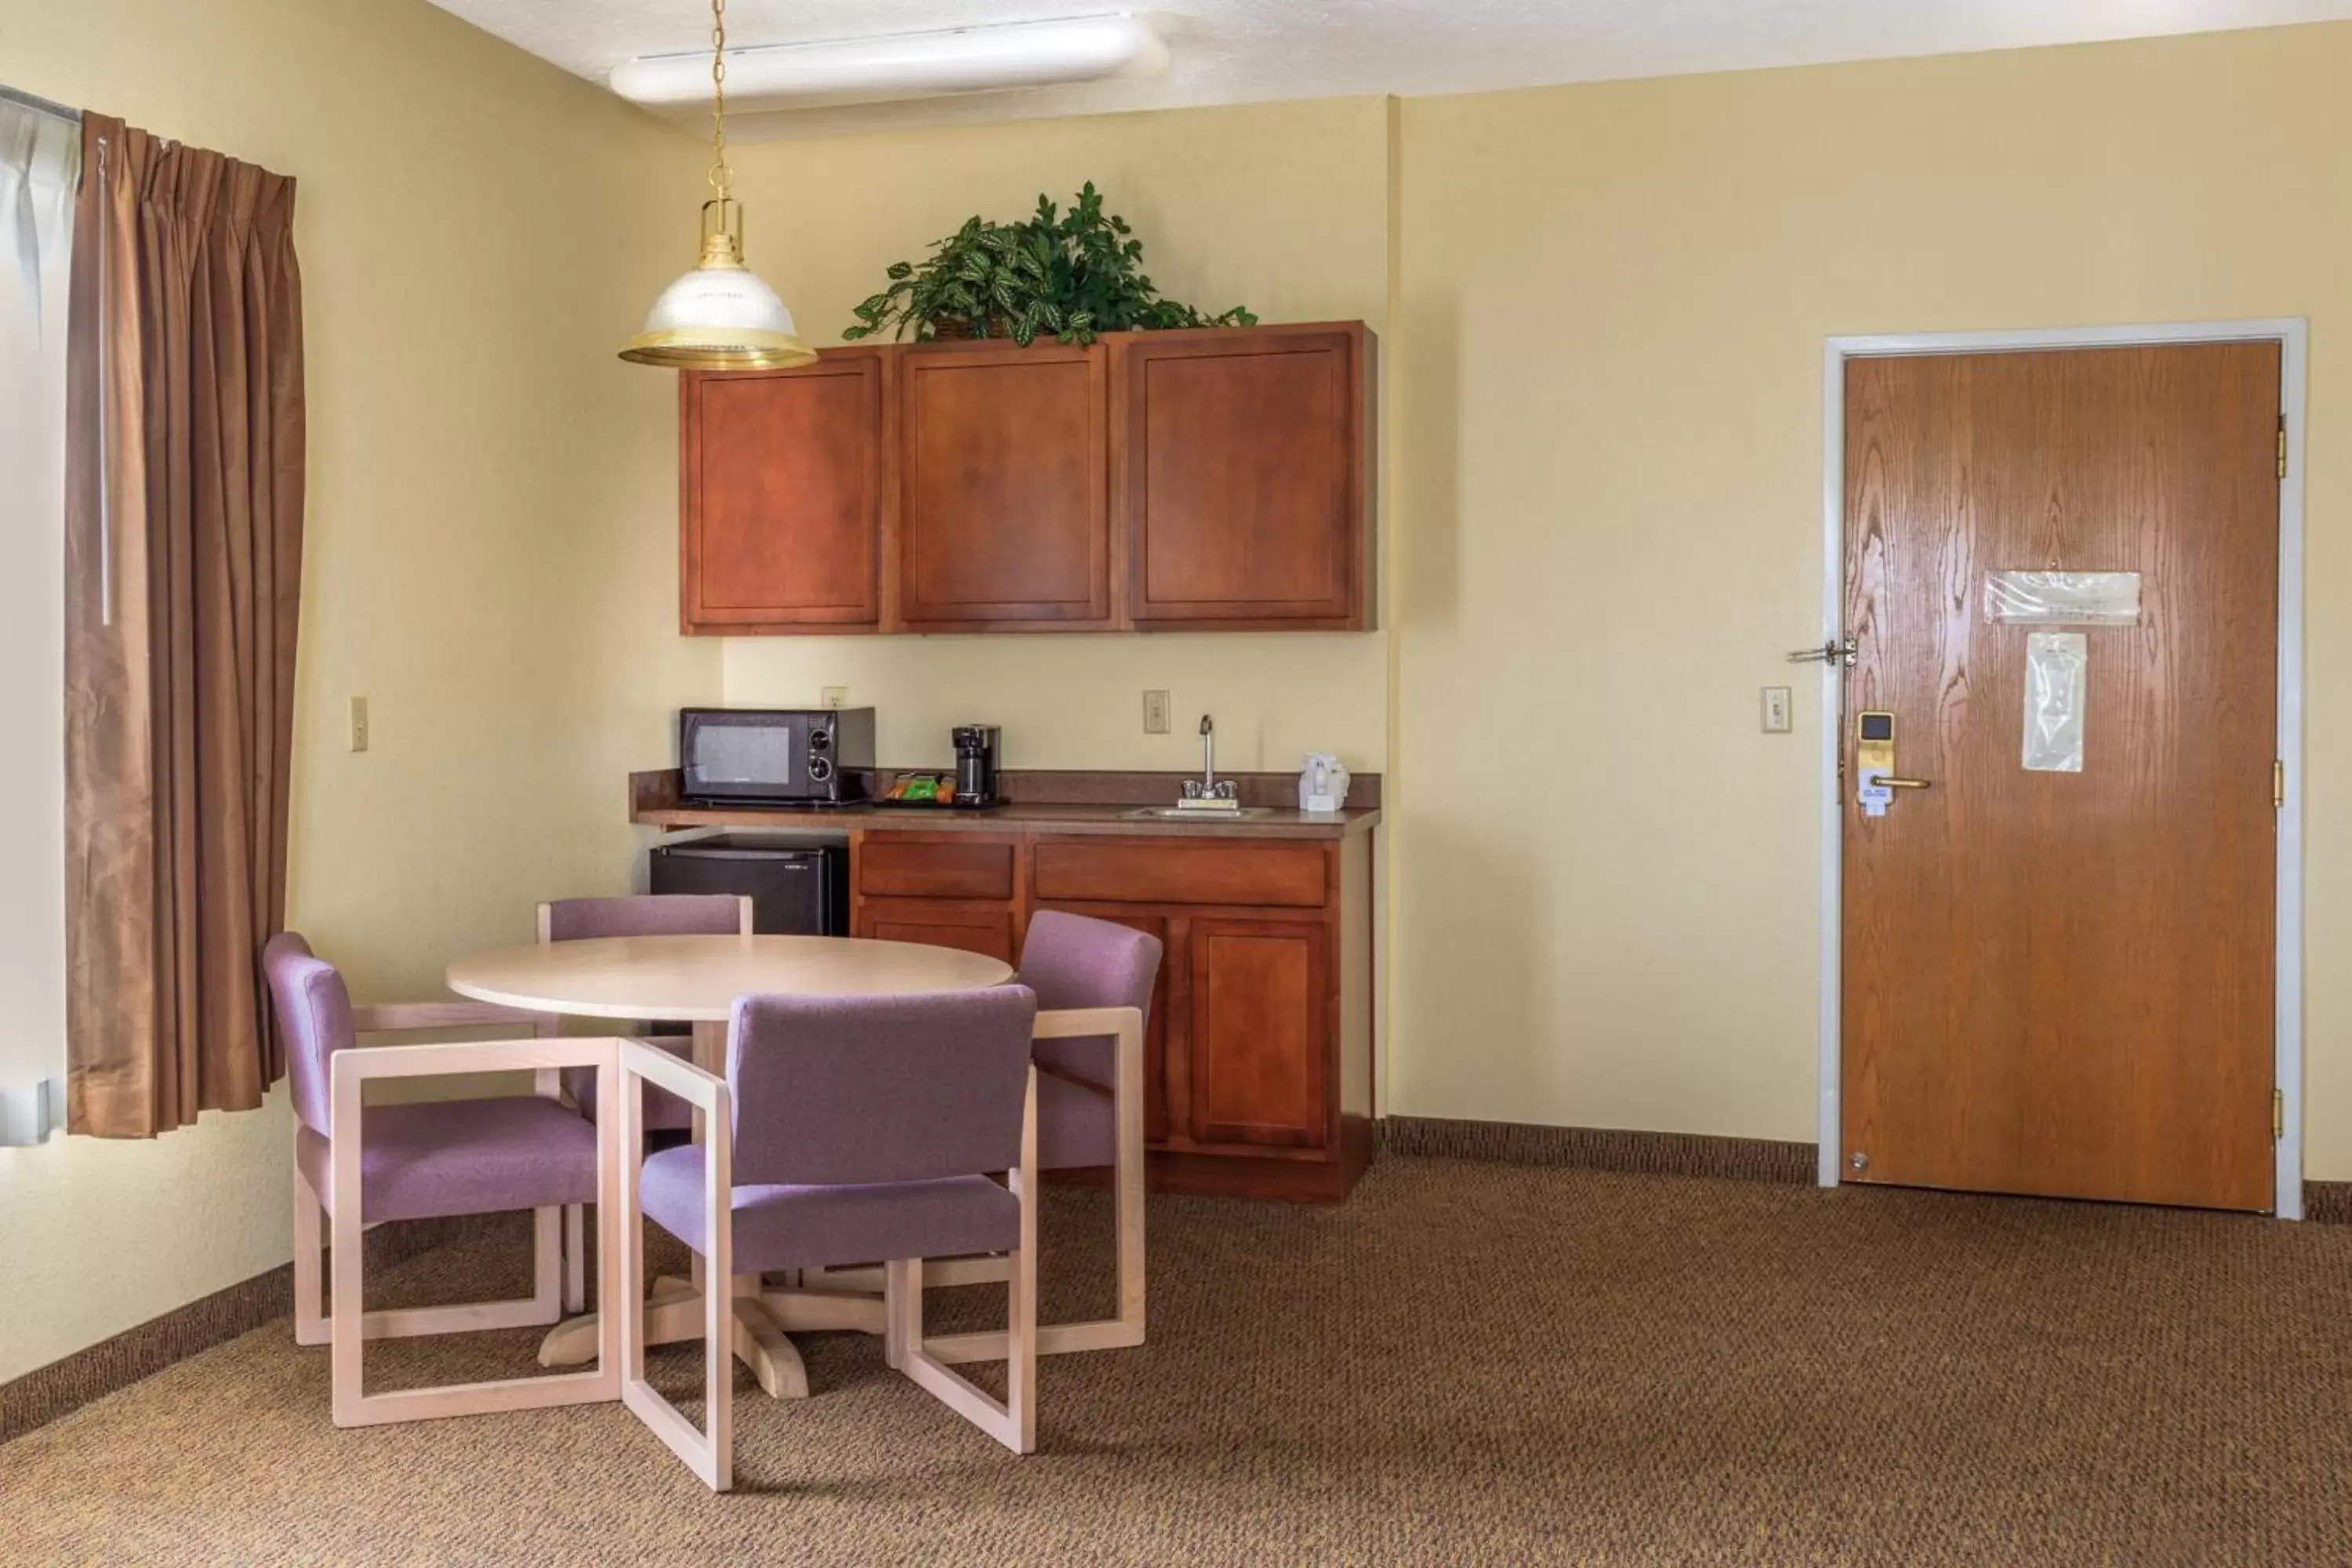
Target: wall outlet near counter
833,697
1155,712
1777,719
359,725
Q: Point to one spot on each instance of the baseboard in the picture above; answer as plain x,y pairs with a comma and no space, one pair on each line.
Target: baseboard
67,1384
1601,1149
1675,1155
2327,1203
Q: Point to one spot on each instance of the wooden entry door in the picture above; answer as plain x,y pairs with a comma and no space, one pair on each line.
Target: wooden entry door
2061,982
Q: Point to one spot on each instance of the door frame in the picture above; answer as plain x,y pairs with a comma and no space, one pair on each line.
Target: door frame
2292,335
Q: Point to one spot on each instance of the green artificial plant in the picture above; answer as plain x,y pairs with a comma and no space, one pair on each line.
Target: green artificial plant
1072,273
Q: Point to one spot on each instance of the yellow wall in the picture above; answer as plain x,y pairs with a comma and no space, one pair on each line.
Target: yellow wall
491,529
1282,208
1613,303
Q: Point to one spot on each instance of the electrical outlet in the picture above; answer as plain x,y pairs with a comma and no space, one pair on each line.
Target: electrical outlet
1777,719
1155,712
359,725
834,697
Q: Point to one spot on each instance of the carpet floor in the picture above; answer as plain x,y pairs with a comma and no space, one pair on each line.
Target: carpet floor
1466,1364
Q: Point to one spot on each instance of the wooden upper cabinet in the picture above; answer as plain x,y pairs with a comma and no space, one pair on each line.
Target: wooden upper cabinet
1241,476
1004,500
1213,479
786,480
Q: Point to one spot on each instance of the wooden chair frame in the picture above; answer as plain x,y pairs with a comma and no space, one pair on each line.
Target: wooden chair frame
349,1325
1126,1329
311,1325
575,1221
710,1454
1012,1423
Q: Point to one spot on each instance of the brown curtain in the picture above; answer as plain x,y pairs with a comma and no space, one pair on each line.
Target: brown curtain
184,565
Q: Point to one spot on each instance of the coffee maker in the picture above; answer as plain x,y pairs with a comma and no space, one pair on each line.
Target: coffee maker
977,749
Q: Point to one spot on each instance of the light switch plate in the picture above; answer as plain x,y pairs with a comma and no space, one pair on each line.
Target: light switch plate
359,725
834,697
1777,719
1155,712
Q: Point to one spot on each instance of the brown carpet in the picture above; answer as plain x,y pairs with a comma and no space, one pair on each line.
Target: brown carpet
1467,1363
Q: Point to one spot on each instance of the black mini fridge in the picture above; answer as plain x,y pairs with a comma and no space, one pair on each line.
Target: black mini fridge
796,888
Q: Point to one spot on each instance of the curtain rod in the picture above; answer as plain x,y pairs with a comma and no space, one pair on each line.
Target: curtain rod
39,104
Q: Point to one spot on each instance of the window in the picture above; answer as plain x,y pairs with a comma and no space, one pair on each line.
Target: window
39,162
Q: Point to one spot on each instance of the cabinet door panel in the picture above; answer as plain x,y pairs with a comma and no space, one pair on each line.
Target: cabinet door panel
983,931
1260,1035
786,479
1005,506
1241,483
1156,1119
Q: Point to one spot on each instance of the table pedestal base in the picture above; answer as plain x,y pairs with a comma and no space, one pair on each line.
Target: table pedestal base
763,1316
765,1313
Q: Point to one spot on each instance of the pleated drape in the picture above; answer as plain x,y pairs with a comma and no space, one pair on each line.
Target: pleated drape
184,564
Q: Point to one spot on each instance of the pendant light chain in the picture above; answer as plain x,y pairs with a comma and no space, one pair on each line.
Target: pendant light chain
721,176
720,316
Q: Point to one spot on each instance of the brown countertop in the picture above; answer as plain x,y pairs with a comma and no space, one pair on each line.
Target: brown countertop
1104,800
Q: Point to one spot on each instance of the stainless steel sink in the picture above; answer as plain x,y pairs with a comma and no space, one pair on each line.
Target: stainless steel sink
1194,813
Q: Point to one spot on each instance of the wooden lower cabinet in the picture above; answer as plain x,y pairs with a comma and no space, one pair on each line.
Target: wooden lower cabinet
1258,1051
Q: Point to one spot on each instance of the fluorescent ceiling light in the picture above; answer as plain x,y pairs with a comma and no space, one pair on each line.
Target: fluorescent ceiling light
906,64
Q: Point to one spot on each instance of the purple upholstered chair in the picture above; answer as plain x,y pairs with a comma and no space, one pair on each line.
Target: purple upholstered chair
429,1161
1075,963
863,1127
644,914
1083,970
638,914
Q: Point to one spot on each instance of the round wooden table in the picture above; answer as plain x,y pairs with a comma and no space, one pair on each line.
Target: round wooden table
698,979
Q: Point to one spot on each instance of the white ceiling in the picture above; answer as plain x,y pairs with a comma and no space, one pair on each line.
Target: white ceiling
1234,51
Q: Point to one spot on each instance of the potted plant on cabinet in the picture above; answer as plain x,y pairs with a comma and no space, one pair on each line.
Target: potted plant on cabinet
1074,274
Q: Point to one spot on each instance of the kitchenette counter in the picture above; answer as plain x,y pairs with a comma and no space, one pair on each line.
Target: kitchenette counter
1259,1056
1040,804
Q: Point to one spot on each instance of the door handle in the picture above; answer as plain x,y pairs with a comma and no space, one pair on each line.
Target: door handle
1906,784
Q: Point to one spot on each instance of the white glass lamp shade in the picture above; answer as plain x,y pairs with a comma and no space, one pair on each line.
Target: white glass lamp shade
720,316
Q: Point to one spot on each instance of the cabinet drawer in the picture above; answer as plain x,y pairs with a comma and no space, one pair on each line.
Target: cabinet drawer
893,867
1159,871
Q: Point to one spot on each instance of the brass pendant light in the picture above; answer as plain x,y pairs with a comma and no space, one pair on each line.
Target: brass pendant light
720,316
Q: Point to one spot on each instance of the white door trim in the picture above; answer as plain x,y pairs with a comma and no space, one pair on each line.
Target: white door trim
2292,334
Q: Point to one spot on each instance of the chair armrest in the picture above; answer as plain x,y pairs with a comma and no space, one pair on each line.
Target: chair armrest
356,1065
706,1091
1078,1022
397,1017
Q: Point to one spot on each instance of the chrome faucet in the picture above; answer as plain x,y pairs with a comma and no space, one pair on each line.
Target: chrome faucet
1208,786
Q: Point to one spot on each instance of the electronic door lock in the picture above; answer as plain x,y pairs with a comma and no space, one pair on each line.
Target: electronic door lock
1874,764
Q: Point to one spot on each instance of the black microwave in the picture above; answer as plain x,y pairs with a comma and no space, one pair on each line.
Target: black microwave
768,756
